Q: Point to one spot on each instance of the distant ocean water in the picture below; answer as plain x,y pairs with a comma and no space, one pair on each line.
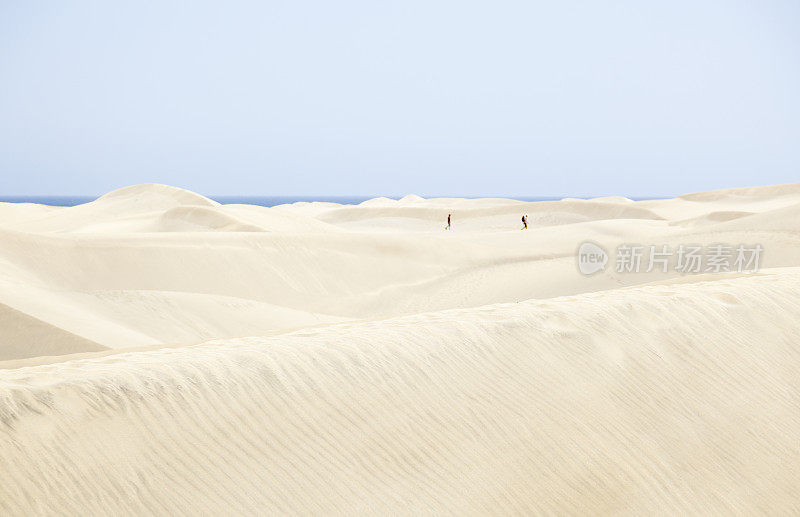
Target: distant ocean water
248,200
48,200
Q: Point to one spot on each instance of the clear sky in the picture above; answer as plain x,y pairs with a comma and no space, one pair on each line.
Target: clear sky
514,98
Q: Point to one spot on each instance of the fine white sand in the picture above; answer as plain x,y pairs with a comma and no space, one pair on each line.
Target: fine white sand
161,353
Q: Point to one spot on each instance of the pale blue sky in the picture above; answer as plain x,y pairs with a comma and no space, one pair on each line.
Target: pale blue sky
506,98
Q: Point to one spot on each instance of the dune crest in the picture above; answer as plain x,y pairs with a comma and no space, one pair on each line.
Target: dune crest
151,193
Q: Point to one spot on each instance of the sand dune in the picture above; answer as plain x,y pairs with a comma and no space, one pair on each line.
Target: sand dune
165,354
26,336
658,399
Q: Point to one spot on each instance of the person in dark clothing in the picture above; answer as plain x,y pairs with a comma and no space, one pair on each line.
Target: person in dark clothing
448,222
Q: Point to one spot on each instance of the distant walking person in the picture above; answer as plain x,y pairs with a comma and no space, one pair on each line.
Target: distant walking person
524,222
448,222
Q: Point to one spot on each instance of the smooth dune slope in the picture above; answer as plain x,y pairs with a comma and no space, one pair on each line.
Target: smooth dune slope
33,337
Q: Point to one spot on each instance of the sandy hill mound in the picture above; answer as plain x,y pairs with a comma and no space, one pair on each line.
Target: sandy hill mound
15,213
157,208
711,218
781,219
379,201
151,192
433,212
123,205
613,199
766,191
201,219
22,335
154,196
411,199
671,399
281,219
